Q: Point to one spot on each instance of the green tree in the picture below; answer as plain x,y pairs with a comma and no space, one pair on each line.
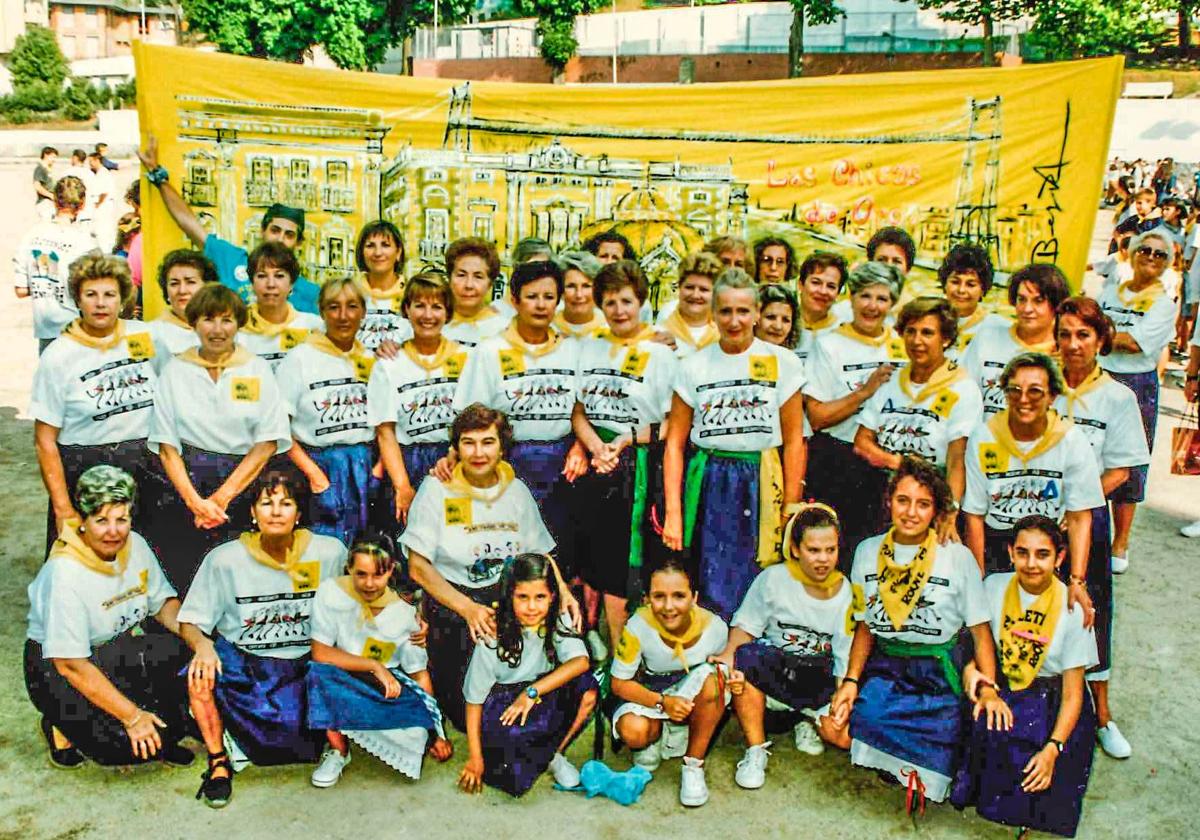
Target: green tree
36,57
356,34
814,12
556,26
984,13
1184,11
1081,28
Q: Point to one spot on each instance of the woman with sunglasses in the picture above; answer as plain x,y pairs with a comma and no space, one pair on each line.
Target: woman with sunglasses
1144,314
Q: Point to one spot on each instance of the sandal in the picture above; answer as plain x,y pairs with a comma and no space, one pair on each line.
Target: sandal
216,791
63,757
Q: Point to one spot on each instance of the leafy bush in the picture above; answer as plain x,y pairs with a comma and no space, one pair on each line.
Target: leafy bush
127,93
558,42
78,104
37,96
36,58
19,116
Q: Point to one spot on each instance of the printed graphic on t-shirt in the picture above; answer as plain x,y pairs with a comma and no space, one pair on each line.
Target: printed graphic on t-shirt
118,387
735,407
1018,493
907,430
490,558
993,394
539,394
380,325
427,405
283,620
805,641
607,393
340,405
924,619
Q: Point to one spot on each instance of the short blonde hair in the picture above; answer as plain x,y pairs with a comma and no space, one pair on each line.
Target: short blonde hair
97,266
702,263
428,284
333,287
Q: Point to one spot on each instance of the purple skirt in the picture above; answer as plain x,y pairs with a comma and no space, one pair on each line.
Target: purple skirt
514,756
991,778
725,545
802,682
539,464
450,647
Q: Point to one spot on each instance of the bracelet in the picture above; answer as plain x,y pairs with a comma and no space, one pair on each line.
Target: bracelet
158,175
1073,580
850,680
133,720
1058,744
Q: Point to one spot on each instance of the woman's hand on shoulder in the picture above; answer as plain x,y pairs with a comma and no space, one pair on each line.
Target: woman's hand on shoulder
387,349
481,621
444,468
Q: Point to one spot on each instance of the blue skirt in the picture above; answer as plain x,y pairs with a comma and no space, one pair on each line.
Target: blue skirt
725,543
1100,588
340,700
1145,387
263,704
419,459
539,463
802,682
514,756
991,777
344,510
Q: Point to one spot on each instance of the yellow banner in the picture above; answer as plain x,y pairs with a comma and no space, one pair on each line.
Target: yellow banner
1009,158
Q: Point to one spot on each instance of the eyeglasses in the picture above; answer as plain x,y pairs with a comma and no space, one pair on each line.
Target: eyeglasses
1014,392
1147,251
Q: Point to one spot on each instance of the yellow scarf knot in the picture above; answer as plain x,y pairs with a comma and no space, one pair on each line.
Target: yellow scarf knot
458,483
234,358
1056,429
71,544
367,608
536,350
76,332
900,587
301,573
676,326
700,619
1026,634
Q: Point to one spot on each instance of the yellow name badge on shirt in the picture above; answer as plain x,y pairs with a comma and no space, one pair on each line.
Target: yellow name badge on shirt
635,362
943,403
140,346
307,576
764,368
362,367
511,362
453,367
628,647
244,388
377,650
896,351
458,511
290,338
993,458
858,604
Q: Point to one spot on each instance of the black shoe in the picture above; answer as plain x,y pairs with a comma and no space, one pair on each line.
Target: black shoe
176,755
66,758
216,793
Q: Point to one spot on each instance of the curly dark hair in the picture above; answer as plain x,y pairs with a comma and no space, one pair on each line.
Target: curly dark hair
893,236
592,246
928,476
525,568
967,257
1044,524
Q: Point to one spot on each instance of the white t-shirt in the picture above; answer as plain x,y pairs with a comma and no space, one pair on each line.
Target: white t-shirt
1065,478
338,621
537,394
471,333
97,396
778,610
382,322
73,609
273,348
641,647
254,607
633,388
736,398
966,334
952,597
1152,328
838,365
41,263
324,397
991,349
1111,421
486,670
1072,645
926,428
420,402
229,416
468,540
808,341
170,340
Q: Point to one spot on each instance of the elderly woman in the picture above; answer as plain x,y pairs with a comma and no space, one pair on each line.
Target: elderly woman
1107,413
847,367
689,318
930,408
580,317
1144,314
623,386
323,385
105,690
93,393
473,265
380,255
738,401
273,326
180,275
461,533
778,316
822,276
965,276
217,419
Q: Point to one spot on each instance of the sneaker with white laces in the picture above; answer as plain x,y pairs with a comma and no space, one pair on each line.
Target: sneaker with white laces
1120,563
807,739
751,772
564,772
674,739
330,769
649,758
693,788
1191,531
1113,742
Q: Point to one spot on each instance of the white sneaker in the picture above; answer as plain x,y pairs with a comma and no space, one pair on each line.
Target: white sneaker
751,771
1191,531
330,769
693,788
1120,564
807,739
1113,742
564,772
648,758
674,739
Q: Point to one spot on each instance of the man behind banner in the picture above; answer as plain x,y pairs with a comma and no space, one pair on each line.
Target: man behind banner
280,223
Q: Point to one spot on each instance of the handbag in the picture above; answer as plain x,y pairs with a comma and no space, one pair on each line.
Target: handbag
1185,443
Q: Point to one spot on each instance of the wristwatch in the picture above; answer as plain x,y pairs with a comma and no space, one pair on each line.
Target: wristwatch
659,705
532,693
1058,744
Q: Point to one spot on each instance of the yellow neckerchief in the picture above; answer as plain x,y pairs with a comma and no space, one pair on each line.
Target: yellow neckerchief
445,350
828,321
174,320
832,581
1049,346
71,544
973,320
256,324
76,332
389,597
851,333
1026,633
458,483
631,341
570,330
1056,429
236,358
676,326
1139,301
358,356
700,619
1096,379
940,380
900,587
548,346
483,314
393,293
252,542
770,506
